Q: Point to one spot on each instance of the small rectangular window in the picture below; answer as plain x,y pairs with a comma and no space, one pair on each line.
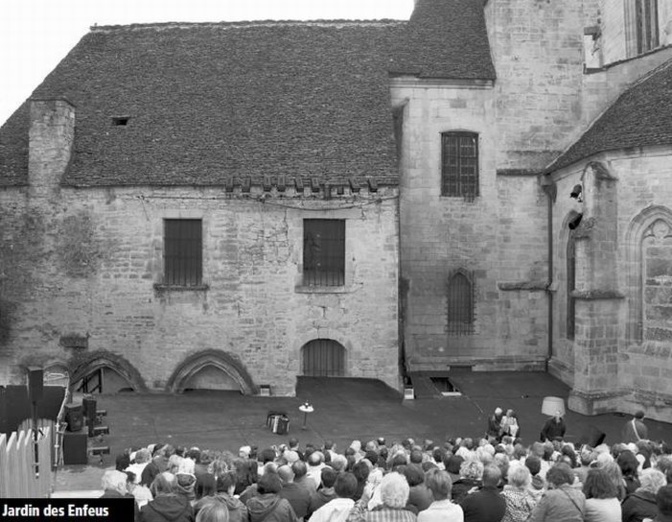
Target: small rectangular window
323,252
459,165
183,252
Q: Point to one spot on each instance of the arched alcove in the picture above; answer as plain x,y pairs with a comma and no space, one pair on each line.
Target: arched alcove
98,362
323,358
207,361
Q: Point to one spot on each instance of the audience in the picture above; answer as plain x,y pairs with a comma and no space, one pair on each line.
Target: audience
460,480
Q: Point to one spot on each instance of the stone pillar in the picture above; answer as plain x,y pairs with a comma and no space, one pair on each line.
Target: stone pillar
50,137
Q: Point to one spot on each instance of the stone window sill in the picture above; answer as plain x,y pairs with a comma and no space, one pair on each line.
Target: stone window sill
301,289
178,288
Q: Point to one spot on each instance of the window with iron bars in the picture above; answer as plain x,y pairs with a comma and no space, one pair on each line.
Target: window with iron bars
323,252
183,252
460,301
459,164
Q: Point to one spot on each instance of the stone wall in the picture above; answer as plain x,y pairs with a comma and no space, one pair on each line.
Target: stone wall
82,272
499,237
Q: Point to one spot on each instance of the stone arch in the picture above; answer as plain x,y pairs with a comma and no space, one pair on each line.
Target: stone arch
331,351
216,358
638,230
83,365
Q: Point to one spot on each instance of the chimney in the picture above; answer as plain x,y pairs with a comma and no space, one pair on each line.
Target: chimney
50,140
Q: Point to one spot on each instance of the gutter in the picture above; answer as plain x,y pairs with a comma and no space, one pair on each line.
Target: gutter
551,191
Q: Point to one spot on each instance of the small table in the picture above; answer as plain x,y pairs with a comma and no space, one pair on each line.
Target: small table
306,409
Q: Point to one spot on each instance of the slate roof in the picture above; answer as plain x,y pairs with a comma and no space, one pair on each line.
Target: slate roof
217,103
641,116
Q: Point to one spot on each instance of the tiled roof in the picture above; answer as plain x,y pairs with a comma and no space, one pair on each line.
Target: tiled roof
212,103
641,116
446,39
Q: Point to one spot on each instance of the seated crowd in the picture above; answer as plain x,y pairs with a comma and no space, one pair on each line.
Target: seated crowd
460,480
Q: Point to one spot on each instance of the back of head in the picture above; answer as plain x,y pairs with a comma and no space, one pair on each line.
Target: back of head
361,470
394,490
286,474
164,484
339,462
225,481
416,457
560,474
664,500
213,512
114,480
328,476
267,455
533,463
651,480
598,484
315,458
439,483
414,475
519,475
345,485
269,483
299,469
491,476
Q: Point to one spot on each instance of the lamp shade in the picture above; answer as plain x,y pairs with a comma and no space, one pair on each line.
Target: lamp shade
552,405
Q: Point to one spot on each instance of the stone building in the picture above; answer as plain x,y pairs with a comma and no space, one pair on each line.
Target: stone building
442,150
204,206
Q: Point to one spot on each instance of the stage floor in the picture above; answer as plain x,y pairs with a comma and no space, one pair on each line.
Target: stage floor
345,409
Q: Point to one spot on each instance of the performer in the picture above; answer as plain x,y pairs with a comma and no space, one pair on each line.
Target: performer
495,425
553,429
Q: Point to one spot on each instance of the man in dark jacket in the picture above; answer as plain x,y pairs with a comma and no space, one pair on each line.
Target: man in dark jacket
267,506
166,506
297,496
486,504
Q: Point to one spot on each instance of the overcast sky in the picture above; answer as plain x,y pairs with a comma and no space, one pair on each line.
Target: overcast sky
37,34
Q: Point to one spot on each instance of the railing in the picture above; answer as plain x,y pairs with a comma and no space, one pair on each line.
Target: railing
21,474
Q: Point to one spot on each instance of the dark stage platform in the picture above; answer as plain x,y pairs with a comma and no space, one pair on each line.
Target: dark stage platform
345,409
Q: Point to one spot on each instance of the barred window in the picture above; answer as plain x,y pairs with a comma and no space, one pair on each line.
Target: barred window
641,26
459,164
460,298
323,252
183,252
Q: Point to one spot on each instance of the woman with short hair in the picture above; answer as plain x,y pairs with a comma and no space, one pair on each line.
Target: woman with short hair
442,509
519,500
602,504
561,502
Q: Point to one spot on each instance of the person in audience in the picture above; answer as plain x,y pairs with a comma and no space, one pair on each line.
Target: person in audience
301,477
664,504
510,424
246,473
297,496
338,509
420,497
442,509
486,504
113,483
642,503
519,499
394,492
602,503
167,505
213,512
267,506
326,492
471,473
629,465
561,502
140,493
315,466
141,460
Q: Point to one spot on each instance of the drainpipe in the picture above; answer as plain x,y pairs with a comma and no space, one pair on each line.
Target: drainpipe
551,191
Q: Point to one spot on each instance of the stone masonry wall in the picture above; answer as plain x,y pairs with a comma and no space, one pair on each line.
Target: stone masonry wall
499,236
81,274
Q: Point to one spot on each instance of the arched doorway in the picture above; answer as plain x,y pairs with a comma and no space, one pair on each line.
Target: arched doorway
104,372
323,358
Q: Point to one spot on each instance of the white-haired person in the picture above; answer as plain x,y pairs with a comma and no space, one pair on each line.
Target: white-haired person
517,494
141,458
442,509
394,491
642,503
113,483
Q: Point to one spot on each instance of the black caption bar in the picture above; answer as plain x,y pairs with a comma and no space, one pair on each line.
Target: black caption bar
90,509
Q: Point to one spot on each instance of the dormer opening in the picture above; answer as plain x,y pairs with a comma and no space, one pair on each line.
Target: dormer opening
120,121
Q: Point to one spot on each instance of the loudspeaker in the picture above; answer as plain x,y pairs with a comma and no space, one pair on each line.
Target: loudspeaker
592,436
74,448
89,408
35,383
74,416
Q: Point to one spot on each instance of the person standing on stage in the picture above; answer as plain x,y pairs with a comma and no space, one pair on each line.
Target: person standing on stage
635,429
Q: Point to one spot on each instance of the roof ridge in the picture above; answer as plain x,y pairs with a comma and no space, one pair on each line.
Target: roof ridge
245,24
